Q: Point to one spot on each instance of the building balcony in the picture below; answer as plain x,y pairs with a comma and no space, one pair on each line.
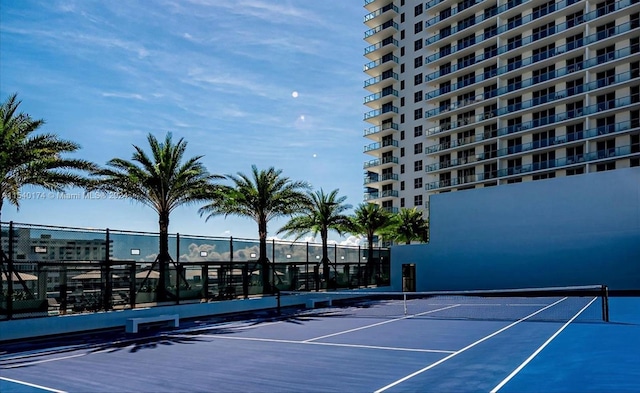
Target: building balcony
388,78
381,131
571,114
595,156
380,195
383,47
381,98
552,142
372,5
380,147
380,32
384,63
381,114
375,18
381,162
618,30
385,178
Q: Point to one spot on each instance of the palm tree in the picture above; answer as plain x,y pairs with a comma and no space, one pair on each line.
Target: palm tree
162,181
408,225
323,213
263,196
370,219
27,159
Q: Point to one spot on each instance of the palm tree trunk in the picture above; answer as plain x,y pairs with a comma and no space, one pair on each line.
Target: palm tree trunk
163,257
370,265
325,257
263,260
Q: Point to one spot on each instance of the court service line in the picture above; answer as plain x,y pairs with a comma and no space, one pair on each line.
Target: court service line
33,385
328,344
379,323
432,365
533,355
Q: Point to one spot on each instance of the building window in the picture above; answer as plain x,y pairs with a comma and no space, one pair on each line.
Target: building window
417,166
402,34
575,171
402,185
417,148
418,10
417,183
401,135
402,51
417,62
401,168
417,79
417,200
417,96
417,45
417,114
417,131
402,152
401,202
417,27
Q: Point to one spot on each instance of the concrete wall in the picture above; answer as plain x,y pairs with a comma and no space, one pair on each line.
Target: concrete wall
577,230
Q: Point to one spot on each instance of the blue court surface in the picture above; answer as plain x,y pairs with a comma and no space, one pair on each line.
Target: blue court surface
340,351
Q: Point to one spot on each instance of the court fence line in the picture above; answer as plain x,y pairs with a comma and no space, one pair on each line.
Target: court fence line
49,270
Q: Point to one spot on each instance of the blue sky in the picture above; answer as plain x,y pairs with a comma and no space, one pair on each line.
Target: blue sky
221,74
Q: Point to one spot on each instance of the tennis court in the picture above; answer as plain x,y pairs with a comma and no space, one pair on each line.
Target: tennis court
554,343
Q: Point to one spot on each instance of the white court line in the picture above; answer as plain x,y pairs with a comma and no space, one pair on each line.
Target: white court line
41,361
533,355
273,340
33,385
380,323
432,365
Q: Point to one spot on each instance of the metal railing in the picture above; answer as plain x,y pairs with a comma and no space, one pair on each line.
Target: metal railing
47,270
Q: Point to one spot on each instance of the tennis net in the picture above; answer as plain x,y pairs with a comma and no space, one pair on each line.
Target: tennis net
580,303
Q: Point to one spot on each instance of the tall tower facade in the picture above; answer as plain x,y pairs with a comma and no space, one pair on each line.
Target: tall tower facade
473,94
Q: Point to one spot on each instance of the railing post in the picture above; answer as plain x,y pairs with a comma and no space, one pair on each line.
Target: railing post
178,269
108,283
10,272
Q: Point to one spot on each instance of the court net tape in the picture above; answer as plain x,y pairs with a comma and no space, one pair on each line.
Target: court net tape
537,304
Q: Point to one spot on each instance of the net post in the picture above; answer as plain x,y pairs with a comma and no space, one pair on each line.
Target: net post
404,302
605,303
278,307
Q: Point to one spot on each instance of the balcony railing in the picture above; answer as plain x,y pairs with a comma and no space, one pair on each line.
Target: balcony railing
380,11
379,45
378,112
380,178
576,136
377,96
377,129
381,161
386,25
617,103
533,167
378,195
380,145
593,85
379,62
380,78
623,28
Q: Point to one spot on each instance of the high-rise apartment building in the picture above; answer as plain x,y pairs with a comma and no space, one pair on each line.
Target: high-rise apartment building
479,93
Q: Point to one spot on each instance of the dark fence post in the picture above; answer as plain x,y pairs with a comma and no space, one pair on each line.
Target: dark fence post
245,280
178,269
108,283
132,284
10,273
